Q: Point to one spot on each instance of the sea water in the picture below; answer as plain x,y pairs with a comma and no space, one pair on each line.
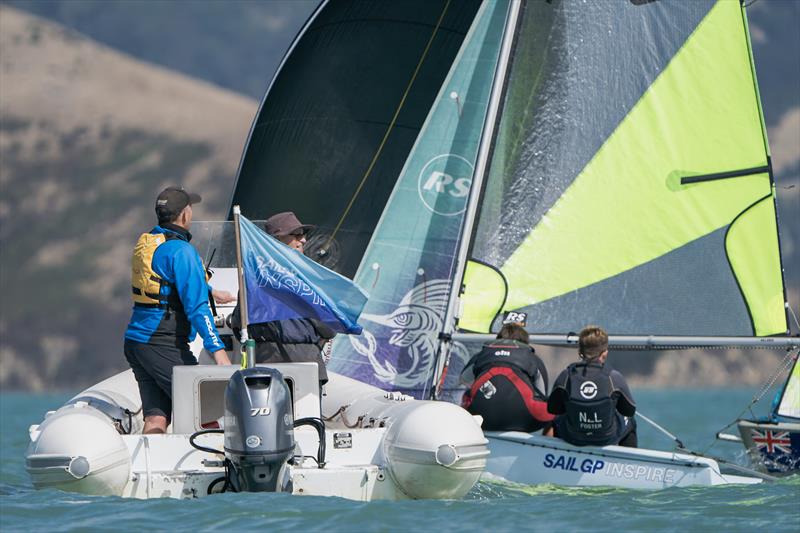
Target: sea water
692,415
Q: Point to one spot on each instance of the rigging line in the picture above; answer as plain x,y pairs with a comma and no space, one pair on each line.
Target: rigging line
702,454
784,365
391,126
794,316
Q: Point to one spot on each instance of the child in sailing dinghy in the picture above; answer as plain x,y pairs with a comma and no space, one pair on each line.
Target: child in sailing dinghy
593,403
508,382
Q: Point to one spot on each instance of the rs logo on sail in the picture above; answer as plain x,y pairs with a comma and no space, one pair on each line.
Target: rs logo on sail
444,184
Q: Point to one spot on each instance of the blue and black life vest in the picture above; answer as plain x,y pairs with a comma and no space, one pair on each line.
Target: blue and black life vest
590,410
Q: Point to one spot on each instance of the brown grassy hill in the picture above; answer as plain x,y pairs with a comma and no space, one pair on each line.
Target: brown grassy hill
88,136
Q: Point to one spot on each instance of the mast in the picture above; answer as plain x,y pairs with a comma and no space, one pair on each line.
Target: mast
452,310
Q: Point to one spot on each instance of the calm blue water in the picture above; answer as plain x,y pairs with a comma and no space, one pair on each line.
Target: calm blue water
693,415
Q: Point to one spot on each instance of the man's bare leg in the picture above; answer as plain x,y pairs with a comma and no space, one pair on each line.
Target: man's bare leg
155,424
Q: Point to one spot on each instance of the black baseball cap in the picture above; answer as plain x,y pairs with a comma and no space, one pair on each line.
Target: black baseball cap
172,200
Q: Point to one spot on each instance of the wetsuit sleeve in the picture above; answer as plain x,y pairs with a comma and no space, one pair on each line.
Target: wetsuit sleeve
190,280
557,401
543,372
625,403
468,374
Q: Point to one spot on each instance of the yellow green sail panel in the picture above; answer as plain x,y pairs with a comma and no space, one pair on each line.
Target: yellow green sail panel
630,180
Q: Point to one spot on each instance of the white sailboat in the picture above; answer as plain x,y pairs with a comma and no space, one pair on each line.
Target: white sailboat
582,162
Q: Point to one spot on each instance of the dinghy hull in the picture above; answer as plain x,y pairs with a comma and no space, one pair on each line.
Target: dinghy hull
773,447
534,459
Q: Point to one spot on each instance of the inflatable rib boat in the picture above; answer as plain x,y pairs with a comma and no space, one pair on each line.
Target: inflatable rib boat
365,444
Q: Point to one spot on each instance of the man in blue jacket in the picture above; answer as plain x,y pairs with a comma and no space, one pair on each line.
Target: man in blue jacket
170,294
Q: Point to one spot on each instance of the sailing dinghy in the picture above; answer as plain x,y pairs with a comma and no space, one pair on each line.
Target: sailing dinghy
582,162
773,441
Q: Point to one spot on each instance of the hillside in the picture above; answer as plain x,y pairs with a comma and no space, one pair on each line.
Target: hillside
234,44
88,136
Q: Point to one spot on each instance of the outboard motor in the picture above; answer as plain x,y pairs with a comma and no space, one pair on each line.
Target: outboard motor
259,434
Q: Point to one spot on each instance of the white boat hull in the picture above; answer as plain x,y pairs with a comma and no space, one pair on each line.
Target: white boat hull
534,459
398,447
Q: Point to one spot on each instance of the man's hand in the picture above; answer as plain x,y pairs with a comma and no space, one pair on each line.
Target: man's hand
222,297
221,357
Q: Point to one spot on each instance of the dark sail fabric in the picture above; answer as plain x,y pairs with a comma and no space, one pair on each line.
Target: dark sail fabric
590,212
328,109
410,262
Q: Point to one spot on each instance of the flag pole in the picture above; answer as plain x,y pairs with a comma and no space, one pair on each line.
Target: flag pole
248,343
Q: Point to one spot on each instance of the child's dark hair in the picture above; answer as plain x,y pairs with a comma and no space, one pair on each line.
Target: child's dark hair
514,332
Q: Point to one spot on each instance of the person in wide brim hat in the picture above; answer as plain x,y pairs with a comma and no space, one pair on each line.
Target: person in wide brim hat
288,229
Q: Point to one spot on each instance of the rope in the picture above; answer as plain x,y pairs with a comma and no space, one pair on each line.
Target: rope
784,365
391,126
346,423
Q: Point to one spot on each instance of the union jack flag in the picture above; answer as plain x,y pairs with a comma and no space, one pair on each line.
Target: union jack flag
772,441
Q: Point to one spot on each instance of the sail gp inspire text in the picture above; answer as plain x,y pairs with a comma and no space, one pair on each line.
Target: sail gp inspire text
277,277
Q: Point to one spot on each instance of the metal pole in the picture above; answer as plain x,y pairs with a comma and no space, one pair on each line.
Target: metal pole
649,342
453,310
248,343
662,430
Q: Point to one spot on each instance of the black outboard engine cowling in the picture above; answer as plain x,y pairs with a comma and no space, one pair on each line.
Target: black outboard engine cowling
259,434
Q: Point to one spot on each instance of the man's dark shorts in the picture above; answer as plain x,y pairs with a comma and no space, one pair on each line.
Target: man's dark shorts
152,366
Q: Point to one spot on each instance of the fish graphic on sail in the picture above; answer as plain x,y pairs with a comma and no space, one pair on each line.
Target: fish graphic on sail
414,328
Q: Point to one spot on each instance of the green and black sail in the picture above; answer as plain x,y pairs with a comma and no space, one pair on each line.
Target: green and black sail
629,183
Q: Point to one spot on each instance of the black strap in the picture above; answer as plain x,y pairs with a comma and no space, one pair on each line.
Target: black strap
212,303
150,306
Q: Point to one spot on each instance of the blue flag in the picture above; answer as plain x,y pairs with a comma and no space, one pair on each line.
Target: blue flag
282,283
